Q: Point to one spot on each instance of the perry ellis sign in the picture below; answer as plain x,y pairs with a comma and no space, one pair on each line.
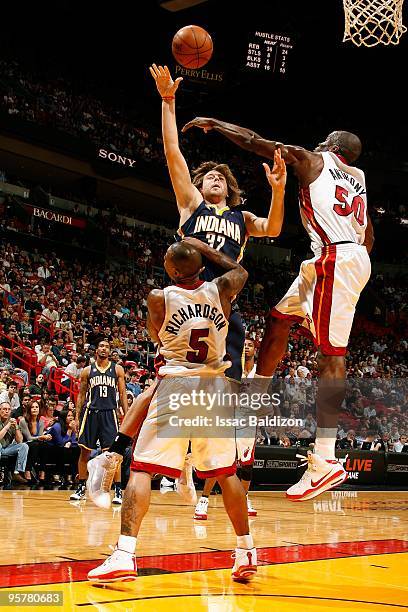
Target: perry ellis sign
56,217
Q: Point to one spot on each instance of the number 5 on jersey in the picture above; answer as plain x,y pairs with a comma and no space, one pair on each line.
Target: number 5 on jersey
199,346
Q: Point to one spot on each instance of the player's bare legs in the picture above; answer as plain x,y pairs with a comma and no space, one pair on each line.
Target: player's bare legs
83,463
234,499
136,501
330,395
324,471
273,346
201,509
121,565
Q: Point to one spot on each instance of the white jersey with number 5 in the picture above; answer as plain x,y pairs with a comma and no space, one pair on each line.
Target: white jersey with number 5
194,331
334,207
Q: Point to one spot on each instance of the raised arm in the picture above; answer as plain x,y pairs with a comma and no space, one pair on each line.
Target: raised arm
271,225
235,277
250,140
187,195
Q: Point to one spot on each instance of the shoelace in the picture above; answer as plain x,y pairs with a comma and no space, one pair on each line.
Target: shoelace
307,460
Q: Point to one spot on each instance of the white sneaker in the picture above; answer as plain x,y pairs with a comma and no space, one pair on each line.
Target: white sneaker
321,475
251,510
120,566
185,484
200,512
79,494
245,565
101,472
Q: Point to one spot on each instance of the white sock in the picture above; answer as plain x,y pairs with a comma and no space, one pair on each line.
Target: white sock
127,544
325,442
245,541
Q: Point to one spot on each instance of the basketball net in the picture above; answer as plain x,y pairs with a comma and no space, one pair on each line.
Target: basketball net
373,22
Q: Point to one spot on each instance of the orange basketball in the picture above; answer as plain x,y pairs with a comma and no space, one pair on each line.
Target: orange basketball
192,46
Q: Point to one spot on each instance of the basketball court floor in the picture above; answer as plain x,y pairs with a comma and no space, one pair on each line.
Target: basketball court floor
344,550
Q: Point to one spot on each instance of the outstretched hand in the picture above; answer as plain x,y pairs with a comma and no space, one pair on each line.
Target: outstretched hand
205,123
277,176
164,82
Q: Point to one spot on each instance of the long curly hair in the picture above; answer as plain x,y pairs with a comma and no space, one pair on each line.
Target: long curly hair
234,192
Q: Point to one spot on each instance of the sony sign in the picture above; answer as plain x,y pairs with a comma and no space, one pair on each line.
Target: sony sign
114,157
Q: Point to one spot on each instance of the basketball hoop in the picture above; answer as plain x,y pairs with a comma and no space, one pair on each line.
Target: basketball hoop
373,22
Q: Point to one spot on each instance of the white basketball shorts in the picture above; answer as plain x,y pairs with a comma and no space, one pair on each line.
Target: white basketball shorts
323,297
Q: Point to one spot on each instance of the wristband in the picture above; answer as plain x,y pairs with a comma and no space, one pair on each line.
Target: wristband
168,97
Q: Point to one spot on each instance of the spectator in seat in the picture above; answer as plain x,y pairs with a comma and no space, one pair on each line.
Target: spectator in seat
95,336
47,413
386,444
349,442
49,315
371,442
11,442
26,327
65,325
43,271
402,445
131,377
10,395
64,445
37,387
115,357
56,351
74,369
4,378
6,364
32,428
310,423
32,305
46,358
21,410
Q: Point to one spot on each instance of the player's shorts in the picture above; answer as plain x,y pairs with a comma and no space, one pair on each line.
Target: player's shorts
164,438
97,425
323,297
235,345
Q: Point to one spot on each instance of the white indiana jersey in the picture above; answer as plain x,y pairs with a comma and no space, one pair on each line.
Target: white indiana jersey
334,207
194,332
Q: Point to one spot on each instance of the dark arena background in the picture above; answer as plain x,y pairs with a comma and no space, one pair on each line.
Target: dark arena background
87,214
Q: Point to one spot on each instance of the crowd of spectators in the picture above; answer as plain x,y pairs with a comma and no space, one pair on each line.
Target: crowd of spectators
57,104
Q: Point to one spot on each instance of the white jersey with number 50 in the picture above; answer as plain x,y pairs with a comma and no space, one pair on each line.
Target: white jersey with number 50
194,332
334,207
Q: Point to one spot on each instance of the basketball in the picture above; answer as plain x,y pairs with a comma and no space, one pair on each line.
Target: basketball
192,47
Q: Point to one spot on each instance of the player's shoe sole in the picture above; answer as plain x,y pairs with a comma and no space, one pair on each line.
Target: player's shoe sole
114,577
244,573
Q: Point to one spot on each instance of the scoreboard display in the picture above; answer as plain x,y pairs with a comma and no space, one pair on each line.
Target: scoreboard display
268,52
